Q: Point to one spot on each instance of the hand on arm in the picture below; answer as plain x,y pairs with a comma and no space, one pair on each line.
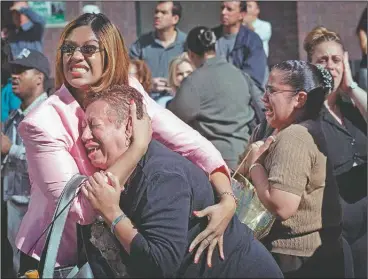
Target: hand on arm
358,95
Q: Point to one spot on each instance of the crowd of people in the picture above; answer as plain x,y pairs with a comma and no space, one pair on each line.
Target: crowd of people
159,128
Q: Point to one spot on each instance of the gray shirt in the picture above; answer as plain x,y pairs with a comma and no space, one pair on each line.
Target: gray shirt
15,173
225,45
214,100
157,57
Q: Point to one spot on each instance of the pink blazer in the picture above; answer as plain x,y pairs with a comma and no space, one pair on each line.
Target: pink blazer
51,135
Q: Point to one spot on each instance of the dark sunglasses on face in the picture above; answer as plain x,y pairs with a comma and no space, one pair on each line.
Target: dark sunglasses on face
86,49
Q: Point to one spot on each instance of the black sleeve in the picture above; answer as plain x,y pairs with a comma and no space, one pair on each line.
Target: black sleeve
159,247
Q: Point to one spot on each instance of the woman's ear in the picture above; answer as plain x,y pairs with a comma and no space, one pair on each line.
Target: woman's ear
129,130
301,99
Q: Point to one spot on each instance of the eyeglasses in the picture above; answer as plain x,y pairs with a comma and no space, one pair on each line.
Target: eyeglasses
269,92
86,49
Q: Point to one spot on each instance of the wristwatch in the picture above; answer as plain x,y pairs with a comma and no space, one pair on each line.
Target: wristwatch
353,85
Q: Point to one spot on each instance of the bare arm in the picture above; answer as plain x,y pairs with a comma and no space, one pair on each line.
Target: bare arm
362,35
280,203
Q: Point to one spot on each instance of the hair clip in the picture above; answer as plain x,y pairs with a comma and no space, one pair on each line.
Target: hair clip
327,79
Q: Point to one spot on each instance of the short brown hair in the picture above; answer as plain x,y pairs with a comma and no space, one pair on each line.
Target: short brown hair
317,36
116,60
144,75
118,97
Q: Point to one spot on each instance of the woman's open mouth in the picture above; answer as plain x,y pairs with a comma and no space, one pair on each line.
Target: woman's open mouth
91,151
268,110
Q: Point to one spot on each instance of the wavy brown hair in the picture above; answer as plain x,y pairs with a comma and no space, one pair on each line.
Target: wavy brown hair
116,59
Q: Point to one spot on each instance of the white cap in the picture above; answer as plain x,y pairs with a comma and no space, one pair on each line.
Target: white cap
92,9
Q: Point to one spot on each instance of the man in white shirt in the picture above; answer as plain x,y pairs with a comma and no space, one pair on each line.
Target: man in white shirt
261,27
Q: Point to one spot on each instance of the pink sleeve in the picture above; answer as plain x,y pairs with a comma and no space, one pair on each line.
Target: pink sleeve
50,167
179,137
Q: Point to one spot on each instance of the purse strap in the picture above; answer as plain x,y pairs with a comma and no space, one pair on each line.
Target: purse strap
242,162
48,257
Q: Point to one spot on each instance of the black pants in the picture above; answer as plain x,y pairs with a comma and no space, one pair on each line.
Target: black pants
326,262
27,263
6,249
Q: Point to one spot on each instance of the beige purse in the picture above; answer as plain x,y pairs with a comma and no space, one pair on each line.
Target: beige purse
250,210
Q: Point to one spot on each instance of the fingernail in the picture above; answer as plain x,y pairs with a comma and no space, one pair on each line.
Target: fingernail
190,249
209,265
132,101
108,173
195,212
195,261
222,258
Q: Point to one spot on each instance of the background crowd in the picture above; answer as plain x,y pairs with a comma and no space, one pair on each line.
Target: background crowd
218,81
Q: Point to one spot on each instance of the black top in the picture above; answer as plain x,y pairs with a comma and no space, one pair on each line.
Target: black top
347,146
159,199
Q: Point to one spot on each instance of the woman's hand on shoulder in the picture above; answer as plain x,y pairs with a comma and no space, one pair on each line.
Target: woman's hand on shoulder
142,128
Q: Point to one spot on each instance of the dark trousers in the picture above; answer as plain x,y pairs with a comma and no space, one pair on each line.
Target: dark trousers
6,249
27,263
326,262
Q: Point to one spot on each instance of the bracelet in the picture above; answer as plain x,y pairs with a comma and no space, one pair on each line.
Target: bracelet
230,194
252,166
116,221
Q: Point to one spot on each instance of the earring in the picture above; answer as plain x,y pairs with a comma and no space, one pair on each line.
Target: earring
127,142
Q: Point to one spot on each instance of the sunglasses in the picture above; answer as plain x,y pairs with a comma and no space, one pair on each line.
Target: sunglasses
85,50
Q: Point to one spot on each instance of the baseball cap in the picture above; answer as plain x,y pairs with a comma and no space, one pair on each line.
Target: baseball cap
33,59
92,9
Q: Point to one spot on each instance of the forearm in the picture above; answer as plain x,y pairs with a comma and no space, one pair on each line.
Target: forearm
32,15
127,162
359,97
363,40
124,229
221,183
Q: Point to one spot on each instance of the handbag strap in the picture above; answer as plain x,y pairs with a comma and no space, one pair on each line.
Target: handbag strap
242,162
48,257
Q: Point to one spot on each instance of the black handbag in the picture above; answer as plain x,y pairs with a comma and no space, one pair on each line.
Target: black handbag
46,268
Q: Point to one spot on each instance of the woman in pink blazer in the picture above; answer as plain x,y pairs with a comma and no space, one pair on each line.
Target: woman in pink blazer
91,56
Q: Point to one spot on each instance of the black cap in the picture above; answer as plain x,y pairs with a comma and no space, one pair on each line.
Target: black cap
33,59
